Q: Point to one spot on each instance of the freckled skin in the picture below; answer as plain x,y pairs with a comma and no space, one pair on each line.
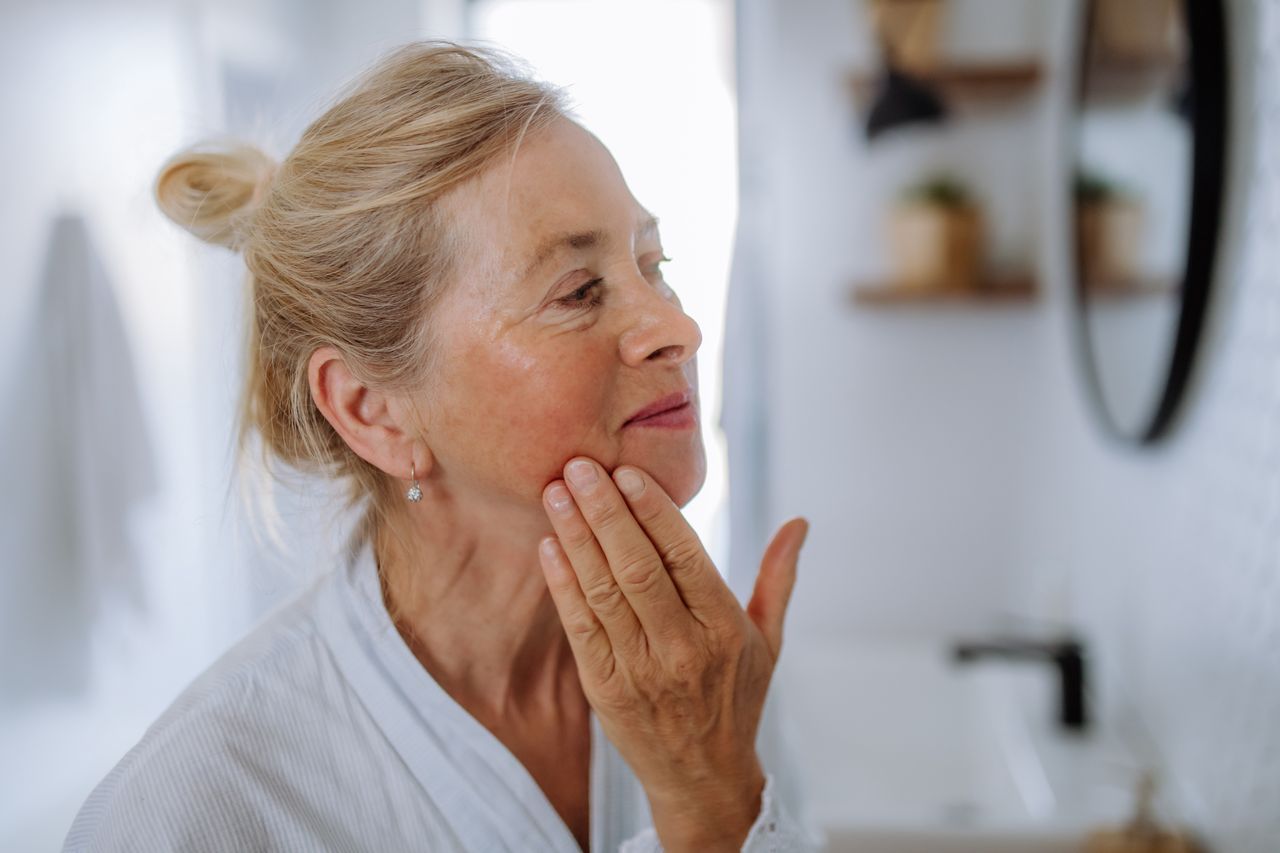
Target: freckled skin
522,383
526,384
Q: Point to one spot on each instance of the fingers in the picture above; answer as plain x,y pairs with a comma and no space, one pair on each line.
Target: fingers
704,592
600,517
595,579
587,637
777,578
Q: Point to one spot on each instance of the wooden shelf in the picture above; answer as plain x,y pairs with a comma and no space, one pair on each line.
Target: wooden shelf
1131,289
966,80
997,290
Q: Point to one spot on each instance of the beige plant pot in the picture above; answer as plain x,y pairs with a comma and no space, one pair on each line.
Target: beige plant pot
911,29
936,247
1110,235
1137,28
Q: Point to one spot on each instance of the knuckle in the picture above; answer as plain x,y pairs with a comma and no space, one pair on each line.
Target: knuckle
582,628
686,663
683,552
603,595
640,572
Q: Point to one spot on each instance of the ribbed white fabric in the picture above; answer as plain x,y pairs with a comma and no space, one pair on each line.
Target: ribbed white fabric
321,731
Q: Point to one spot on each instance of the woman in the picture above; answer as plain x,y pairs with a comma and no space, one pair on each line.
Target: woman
458,308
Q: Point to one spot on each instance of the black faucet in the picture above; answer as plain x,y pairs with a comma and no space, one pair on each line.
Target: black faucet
1067,654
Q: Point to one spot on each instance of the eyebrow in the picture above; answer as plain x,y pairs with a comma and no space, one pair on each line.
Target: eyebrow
579,241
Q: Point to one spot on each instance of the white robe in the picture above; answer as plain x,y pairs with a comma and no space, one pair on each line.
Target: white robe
321,731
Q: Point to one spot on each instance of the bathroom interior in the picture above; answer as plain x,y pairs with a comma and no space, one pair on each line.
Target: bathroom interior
983,287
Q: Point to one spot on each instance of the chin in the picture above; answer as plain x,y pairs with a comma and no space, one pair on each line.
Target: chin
682,499
681,478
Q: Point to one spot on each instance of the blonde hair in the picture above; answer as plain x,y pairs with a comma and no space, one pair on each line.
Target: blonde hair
345,241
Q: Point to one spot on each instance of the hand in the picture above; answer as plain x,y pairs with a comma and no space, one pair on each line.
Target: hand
675,669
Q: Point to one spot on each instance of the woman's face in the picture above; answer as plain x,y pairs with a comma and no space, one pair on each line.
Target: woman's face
558,328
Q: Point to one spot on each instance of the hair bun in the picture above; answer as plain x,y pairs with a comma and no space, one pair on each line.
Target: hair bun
212,191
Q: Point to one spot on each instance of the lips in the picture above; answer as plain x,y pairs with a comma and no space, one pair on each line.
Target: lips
663,404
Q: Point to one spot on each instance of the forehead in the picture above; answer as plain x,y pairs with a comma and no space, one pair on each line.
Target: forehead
562,187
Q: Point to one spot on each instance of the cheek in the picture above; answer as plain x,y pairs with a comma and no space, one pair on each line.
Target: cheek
524,415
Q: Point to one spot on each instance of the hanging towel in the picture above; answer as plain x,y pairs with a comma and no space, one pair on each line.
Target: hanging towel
77,462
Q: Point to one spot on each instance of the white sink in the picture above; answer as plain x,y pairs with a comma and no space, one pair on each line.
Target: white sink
903,751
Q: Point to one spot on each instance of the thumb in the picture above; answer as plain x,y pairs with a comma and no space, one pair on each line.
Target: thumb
777,577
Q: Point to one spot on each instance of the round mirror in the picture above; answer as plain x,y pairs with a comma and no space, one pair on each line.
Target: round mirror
1149,146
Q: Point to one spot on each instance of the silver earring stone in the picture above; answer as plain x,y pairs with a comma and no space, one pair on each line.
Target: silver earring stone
415,491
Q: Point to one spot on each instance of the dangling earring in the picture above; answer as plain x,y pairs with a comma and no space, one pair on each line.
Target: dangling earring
415,491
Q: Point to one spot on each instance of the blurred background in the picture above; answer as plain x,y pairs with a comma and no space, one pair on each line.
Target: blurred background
988,294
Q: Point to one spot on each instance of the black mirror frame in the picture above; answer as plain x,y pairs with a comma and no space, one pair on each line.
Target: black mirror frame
1207,52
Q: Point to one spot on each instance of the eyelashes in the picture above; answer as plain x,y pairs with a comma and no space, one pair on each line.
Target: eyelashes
591,294
579,298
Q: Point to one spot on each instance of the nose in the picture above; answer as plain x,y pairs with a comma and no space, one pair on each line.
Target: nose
658,329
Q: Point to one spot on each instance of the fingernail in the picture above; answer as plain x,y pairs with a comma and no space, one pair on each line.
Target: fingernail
583,474
558,497
629,482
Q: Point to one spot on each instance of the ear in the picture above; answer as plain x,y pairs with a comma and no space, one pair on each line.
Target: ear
374,424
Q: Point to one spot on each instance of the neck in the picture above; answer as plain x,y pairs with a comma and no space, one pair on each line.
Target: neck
466,591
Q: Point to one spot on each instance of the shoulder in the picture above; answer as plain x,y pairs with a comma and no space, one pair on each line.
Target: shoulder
220,767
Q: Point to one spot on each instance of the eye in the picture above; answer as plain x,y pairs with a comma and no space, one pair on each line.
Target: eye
580,296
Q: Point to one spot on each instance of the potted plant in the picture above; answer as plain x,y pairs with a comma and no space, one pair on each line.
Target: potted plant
1109,232
936,236
1138,29
908,29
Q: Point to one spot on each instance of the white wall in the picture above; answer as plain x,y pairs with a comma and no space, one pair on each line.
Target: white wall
1171,556
96,96
901,433
947,457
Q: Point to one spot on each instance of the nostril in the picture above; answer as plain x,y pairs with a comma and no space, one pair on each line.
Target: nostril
672,353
